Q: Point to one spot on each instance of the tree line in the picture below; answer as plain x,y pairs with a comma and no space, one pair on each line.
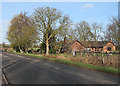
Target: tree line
48,26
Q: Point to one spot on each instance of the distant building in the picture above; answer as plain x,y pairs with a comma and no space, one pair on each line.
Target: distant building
92,46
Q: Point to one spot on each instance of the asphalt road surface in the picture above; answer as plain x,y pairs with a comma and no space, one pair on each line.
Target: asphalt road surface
19,69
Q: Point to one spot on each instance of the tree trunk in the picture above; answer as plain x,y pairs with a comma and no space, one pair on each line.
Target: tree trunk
47,47
26,50
20,50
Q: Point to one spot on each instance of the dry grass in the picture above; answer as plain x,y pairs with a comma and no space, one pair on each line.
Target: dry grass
111,61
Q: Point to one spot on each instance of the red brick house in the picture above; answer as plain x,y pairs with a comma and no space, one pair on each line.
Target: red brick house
72,46
109,46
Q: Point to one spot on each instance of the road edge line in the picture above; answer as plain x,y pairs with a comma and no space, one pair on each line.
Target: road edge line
5,79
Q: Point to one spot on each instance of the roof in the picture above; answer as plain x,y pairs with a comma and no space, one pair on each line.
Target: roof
69,43
87,44
94,43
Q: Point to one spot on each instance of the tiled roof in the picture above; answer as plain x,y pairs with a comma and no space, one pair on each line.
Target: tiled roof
93,43
87,43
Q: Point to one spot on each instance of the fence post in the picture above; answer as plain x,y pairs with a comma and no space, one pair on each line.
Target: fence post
103,60
94,53
74,53
102,54
88,53
81,53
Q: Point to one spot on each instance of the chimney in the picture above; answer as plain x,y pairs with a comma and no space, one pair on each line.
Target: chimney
65,40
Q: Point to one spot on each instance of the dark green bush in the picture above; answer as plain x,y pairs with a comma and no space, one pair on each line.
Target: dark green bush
38,50
52,50
30,51
114,52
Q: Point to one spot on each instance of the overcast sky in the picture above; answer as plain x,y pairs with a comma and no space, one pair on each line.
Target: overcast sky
99,12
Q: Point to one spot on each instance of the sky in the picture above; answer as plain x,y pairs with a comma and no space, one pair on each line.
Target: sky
91,12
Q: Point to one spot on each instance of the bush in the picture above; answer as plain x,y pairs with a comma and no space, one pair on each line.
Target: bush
114,52
30,51
65,55
5,50
38,50
52,50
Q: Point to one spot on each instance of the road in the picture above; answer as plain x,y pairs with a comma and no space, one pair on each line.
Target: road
28,70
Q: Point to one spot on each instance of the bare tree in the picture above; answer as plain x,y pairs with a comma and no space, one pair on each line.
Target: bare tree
97,32
83,31
49,22
113,30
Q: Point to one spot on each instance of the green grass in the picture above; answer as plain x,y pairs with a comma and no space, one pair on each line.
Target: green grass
89,66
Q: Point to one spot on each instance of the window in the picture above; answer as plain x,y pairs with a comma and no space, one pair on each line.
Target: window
88,49
109,48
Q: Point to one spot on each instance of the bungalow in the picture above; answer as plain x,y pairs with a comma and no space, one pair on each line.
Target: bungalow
93,46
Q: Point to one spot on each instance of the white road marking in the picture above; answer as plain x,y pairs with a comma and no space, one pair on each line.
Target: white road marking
19,56
57,68
6,81
36,60
27,58
5,56
11,54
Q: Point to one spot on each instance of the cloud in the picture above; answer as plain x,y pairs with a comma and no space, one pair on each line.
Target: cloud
88,6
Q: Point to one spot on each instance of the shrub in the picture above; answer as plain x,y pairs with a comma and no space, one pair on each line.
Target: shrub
114,52
38,50
65,55
30,51
5,50
52,50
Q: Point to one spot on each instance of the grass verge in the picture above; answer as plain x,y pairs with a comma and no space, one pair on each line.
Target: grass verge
89,66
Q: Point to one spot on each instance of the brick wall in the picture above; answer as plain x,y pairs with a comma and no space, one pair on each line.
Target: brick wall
77,47
105,48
